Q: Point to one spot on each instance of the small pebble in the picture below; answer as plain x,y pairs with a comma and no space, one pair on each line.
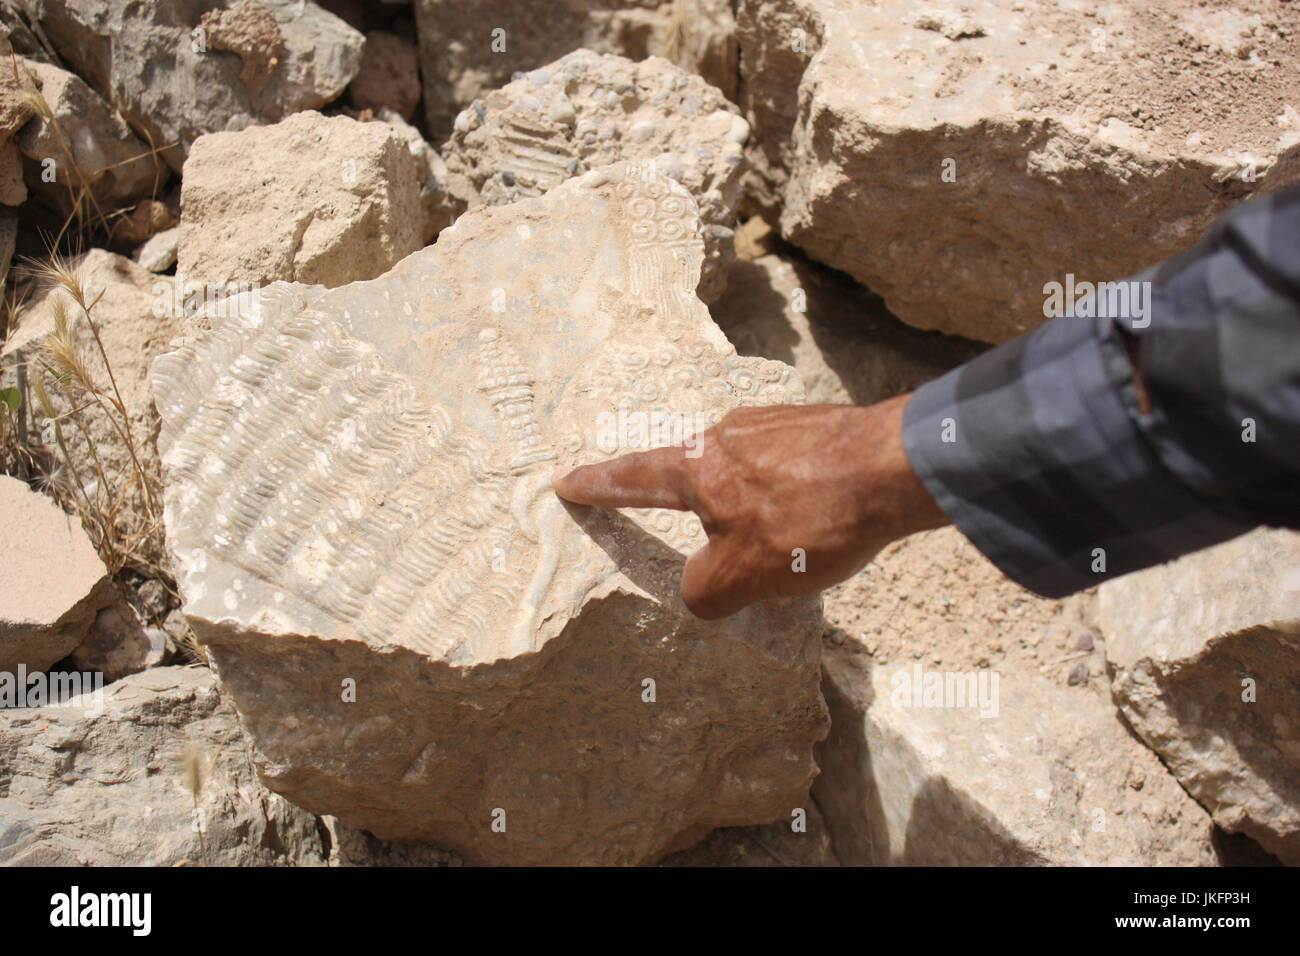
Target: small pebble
1078,674
1084,642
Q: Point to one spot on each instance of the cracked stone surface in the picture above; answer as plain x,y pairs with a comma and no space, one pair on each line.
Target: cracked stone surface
312,199
52,582
101,782
587,110
420,638
1205,661
1086,142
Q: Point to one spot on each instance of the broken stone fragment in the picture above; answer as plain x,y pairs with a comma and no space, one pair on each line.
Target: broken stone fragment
314,199
111,768
173,84
989,769
587,110
119,644
958,160
1205,657
83,145
247,29
420,638
469,46
52,583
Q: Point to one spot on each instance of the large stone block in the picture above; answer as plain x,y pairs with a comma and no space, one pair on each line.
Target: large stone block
1002,769
587,110
420,638
1205,659
84,146
176,69
314,199
957,158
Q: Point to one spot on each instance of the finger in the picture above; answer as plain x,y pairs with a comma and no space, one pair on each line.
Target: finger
643,479
715,583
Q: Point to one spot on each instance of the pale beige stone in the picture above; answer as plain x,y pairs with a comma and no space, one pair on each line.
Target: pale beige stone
314,199
469,46
1205,656
51,581
1076,143
101,781
586,110
358,499
1034,778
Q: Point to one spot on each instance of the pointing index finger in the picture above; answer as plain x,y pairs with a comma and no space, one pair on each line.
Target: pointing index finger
643,479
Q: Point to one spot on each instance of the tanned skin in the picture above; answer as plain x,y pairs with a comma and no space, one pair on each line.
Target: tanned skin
832,480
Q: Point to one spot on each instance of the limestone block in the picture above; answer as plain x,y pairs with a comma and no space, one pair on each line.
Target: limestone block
175,76
1205,661
958,158
311,199
991,774
100,780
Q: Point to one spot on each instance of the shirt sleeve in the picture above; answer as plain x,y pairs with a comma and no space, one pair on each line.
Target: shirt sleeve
1039,450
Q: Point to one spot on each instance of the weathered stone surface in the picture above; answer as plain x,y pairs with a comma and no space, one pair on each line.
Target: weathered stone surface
158,252
102,783
51,580
389,76
439,207
312,199
1041,781
468,46
137,316
358,499
248,30
15,110
13,192
1205,658
587,110
119,644
175,84
1092,145
90,144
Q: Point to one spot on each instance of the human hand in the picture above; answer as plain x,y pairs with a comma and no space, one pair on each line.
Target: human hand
794,498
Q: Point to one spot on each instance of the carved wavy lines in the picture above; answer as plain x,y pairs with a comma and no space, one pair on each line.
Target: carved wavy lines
294,454
533,151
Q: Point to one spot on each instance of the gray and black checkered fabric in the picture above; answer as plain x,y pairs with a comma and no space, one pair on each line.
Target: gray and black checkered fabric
1039,452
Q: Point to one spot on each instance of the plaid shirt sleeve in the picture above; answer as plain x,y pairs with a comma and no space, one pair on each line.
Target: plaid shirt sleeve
1039,450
